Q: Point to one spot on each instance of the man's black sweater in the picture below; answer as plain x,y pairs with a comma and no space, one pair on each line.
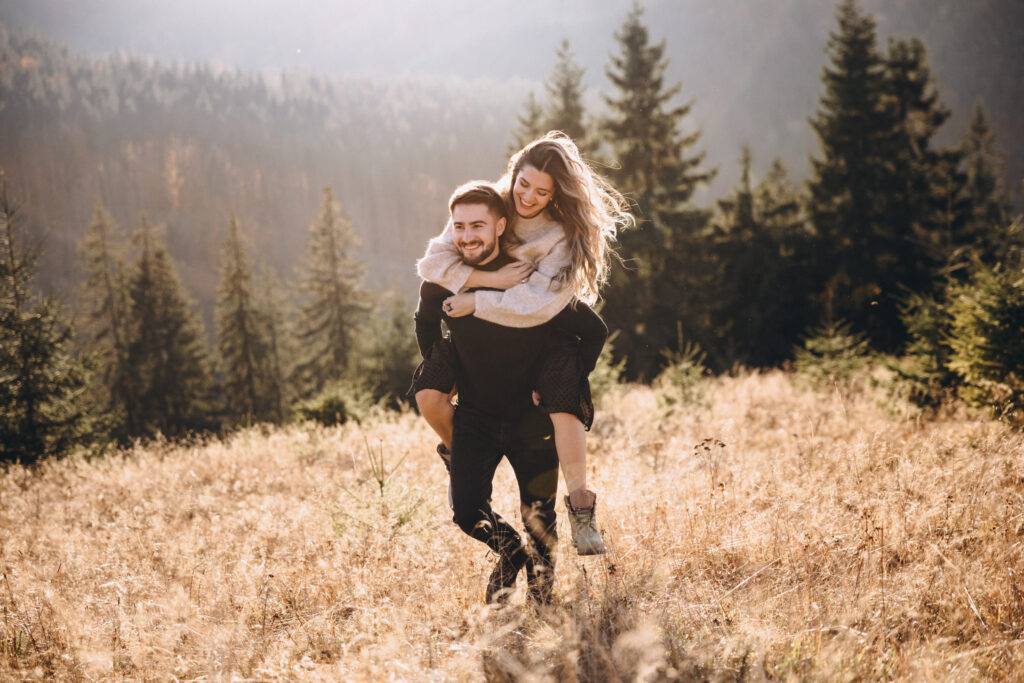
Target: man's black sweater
496,366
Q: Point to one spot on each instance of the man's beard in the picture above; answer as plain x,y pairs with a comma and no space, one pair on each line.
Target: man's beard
482,254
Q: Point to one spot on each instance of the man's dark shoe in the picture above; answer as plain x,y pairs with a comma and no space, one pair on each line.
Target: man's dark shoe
540,579
503,578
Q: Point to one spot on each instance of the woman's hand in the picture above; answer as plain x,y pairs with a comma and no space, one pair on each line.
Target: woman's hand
460,305
513,274
503,278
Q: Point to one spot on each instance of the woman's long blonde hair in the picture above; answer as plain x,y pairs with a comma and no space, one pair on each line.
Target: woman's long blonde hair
587,206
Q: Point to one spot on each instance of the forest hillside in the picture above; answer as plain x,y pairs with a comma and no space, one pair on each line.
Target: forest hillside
190,120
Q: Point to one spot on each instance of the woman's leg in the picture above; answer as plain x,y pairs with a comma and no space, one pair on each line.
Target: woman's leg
571,442
437,409
581,503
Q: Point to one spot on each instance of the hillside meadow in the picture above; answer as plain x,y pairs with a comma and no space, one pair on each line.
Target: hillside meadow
763,529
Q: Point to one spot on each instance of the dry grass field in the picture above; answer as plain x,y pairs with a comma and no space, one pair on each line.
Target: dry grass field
773,531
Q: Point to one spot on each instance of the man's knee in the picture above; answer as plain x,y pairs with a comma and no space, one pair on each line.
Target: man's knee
469,517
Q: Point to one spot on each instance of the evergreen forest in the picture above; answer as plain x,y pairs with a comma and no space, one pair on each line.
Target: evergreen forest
227,249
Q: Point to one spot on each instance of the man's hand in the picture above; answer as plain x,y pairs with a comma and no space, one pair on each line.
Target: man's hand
460,305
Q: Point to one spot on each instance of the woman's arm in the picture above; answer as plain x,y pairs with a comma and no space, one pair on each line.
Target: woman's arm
442,264
533,302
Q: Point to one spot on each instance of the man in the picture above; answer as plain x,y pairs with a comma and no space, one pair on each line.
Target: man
495,367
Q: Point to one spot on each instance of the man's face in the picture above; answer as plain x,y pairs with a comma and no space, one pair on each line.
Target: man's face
475,232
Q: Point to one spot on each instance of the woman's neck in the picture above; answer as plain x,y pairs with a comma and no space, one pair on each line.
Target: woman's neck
540,219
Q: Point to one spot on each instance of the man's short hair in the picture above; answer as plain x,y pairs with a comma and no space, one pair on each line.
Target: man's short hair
479,192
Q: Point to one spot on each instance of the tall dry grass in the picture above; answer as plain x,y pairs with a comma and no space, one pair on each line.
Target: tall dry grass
778,532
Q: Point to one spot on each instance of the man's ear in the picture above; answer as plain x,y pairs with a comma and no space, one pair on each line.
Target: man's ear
501,226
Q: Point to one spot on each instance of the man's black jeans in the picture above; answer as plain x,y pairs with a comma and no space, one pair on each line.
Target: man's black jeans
479,441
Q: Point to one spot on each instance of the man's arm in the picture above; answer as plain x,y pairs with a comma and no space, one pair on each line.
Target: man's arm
428,315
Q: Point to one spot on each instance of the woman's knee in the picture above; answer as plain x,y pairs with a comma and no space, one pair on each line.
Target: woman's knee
567,419
431,401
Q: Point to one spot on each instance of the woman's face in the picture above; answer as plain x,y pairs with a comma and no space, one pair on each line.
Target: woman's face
533,191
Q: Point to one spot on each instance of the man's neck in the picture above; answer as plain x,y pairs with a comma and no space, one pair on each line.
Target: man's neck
494,255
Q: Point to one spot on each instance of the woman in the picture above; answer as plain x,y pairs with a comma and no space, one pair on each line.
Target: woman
565,217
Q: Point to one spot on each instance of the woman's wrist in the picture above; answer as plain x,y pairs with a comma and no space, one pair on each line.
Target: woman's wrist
479,278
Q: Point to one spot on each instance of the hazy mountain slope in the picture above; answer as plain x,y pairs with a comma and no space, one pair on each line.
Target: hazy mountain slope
752,67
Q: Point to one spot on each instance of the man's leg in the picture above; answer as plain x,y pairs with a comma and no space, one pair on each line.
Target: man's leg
535,463
476,453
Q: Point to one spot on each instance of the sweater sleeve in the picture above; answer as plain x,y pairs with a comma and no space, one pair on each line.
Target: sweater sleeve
442,263
534,302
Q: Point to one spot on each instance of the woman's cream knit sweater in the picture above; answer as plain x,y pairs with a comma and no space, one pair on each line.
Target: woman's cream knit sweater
528,304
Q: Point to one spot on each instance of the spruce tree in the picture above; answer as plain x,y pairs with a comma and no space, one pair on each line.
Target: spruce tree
244,339
986,340
563,109
530,125
985,232
921,201
565,98
387,355
167,352
273,317
855,128
41,383
762,277
657,168
106,303
662,273
331,307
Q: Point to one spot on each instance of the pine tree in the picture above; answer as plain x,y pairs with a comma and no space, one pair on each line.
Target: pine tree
167,352
656,167
245,337
985,232
331,307
761,250
986,340
921,201
565,98
386,354
658,283
41,384
855,129
530,125
271,307
106,303
563,110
